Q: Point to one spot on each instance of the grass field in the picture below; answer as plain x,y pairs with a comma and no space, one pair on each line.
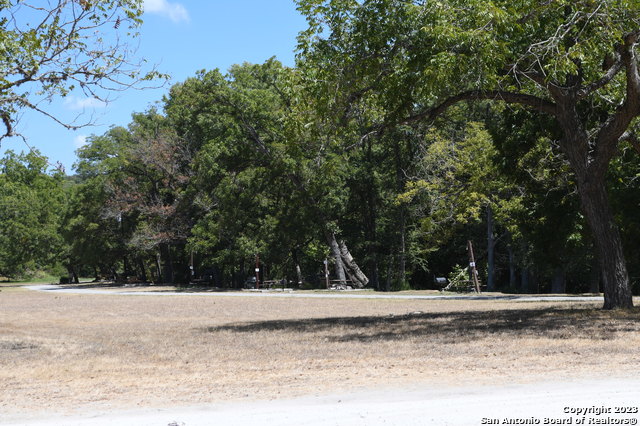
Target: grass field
62,352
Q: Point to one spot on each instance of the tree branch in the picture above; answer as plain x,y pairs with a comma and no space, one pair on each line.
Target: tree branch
6,119
534,102
632,139
606,143
612,71
631,65
66,48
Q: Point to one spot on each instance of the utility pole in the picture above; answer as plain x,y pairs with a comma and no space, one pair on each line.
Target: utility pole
472,266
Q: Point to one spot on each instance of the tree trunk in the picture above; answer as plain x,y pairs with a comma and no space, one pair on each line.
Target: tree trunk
356,275
524,280
491,248
298,274
608,243
372,267
142,270
594,279
126,267
400,187
73,276
158,267
402,261
337,257
512,267
370,215
389,278
296,262
558,282
168,277
590,163
534,284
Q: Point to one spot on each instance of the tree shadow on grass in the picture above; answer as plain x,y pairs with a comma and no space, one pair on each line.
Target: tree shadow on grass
456,327
89,285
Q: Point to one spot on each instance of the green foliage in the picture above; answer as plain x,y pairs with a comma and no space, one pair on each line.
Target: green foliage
92,238
274,161
457,180
547,229
420,53
423,57
240,182
459,279
402,285
624,183
31,200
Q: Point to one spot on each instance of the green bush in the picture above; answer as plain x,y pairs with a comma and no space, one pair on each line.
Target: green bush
459,279
400,285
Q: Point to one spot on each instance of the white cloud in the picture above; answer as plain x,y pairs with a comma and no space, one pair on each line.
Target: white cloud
174,11
79,141
75,103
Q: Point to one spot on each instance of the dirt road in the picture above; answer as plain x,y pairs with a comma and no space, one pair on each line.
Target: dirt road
579,402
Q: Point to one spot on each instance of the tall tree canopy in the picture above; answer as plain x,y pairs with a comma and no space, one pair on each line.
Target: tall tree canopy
574,61
262,183
405,129
31,200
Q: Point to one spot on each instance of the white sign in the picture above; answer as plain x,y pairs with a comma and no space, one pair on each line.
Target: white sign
257,269
472,264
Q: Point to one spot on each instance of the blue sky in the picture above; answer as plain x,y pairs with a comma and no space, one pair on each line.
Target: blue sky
180,37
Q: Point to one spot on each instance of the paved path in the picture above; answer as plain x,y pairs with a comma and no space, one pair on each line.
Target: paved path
332,295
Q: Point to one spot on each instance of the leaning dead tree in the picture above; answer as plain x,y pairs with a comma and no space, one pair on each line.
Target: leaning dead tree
344,263
358,278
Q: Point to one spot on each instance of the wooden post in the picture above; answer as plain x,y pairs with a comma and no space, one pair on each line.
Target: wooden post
472,265
257,271
191,268
491,251
159,267
326,273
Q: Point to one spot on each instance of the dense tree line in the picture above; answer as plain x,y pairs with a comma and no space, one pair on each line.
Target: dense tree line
405,130
31,203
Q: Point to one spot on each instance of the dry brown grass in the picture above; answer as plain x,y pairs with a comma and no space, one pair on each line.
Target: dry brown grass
62,351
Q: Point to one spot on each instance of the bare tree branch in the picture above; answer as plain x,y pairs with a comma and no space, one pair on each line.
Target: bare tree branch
52,48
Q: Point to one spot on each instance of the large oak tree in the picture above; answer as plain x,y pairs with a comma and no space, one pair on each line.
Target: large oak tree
574,60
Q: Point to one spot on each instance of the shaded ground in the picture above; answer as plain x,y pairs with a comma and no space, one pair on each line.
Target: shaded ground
65,353
457,327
